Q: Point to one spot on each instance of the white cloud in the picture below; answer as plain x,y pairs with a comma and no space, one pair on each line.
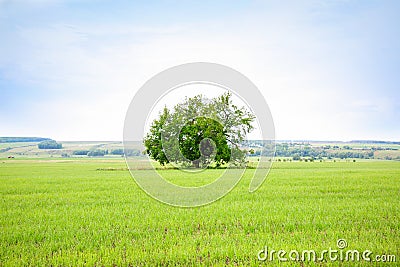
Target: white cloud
305,71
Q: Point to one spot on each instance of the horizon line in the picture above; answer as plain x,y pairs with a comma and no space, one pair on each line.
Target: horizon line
276,140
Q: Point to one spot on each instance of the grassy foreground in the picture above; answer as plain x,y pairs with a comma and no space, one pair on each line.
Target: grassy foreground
76,212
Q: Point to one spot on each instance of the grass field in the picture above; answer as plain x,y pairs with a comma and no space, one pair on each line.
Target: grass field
76,212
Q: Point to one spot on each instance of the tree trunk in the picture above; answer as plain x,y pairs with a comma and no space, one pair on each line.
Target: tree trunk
196,163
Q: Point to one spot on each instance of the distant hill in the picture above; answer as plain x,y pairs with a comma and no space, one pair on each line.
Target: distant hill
374,142
22,139
337,142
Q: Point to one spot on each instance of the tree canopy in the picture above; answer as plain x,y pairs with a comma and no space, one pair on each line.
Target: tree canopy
199,132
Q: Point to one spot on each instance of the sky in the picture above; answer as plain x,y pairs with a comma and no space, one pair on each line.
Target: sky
328,69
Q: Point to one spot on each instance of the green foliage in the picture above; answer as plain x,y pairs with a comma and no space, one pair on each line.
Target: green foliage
101,152
49,144
153,141
211,131
203,139
118,151
128,152
97,153
297,151
80,152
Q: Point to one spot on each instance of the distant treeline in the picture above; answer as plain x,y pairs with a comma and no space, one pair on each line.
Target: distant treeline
103,152
298,151
374,142
49,144
22,139
313,153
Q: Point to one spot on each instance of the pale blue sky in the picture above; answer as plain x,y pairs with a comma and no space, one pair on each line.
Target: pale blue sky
329,70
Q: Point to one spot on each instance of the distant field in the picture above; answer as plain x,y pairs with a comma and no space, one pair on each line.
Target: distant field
30,149
76,212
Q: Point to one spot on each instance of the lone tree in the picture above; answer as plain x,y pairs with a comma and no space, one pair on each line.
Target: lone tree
200,131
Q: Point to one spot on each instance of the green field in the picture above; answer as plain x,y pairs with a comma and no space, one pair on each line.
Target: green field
78,212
